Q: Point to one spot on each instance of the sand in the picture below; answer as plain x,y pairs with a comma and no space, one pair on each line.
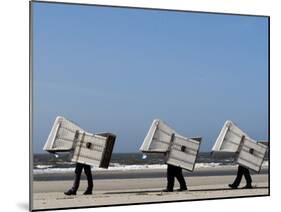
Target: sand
49,194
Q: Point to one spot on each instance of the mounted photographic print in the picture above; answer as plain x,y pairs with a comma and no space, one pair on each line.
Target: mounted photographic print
139,105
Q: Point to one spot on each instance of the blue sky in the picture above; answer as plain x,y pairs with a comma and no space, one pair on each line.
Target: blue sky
117,69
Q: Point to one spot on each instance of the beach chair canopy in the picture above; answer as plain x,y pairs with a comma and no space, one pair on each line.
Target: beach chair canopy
180,151
62,135
249,153
87,148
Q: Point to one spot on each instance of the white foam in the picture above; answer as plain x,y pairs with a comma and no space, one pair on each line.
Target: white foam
53,170
111,168
43,166
207,165
41,169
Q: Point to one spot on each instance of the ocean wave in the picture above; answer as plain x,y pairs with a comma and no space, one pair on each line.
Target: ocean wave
48,169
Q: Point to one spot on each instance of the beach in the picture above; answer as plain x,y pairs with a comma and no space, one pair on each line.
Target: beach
115,187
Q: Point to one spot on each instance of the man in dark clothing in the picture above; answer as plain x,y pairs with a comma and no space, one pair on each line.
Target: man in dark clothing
242,171
78,171
172,172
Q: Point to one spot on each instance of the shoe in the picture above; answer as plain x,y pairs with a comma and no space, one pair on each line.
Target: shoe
247,187
70,192
232,186
182,189
167,190
88,192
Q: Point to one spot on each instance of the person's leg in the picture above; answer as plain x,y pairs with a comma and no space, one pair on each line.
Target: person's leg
87,170
181,180
238,178
170,178
78,171
247,178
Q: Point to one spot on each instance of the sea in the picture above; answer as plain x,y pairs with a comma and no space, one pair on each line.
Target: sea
61,163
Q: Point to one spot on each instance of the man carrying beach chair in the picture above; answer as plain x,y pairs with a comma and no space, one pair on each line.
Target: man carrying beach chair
86,149
249,154
180,152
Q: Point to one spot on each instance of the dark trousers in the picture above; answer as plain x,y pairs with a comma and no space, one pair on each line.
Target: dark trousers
172,172
78,171
242,171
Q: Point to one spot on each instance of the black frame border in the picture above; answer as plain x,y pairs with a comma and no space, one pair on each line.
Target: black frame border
31,102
